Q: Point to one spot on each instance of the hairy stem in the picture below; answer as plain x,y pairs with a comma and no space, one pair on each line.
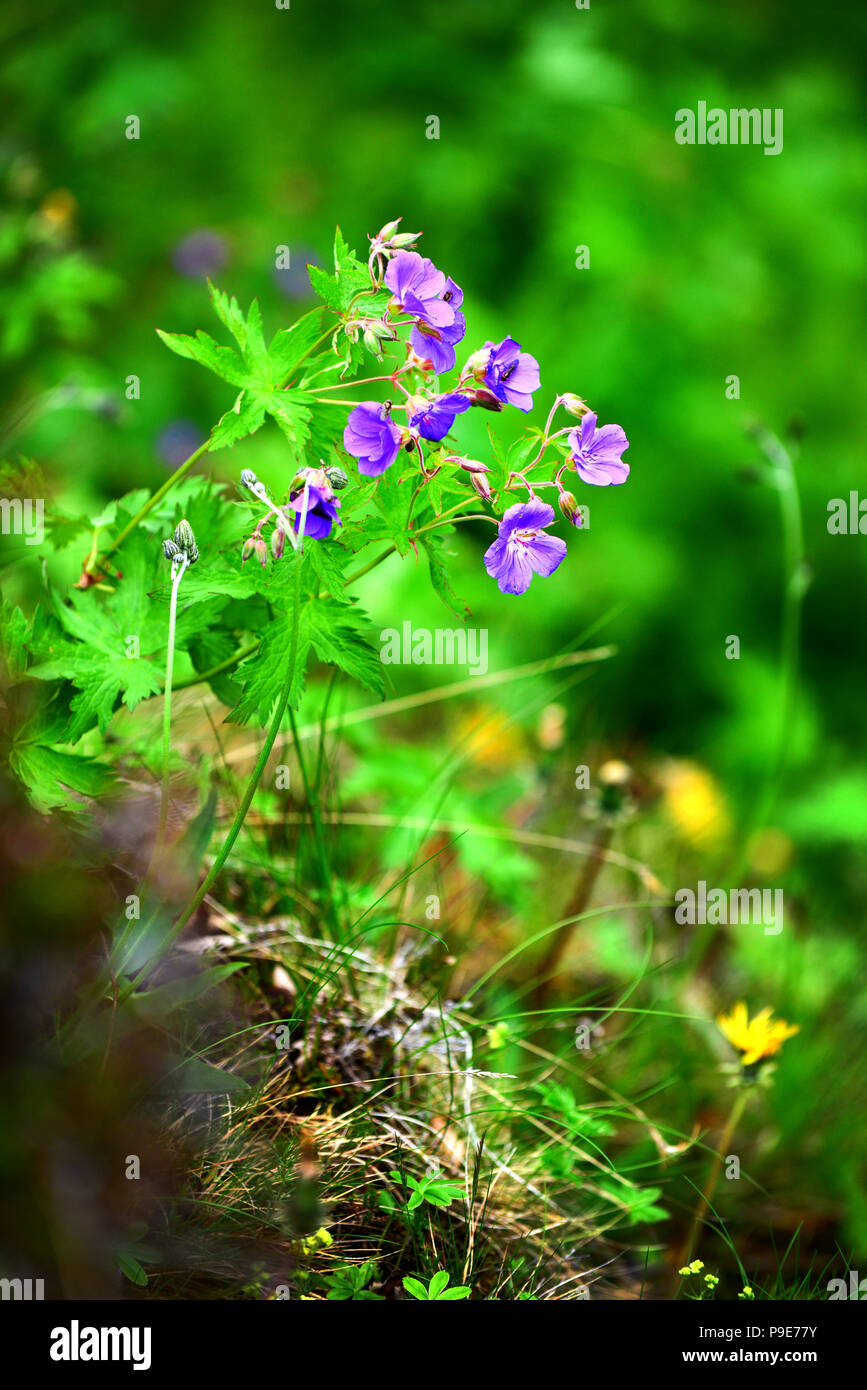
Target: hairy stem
177,576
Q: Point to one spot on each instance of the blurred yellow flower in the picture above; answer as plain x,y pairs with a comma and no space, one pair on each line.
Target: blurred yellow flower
695,802
756,1039
489,738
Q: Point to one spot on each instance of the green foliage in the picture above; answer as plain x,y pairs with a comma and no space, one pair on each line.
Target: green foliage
437,1289
434,1189
261,372
349,1283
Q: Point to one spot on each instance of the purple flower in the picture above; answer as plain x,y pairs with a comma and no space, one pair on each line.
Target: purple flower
435,418
373,437
419,288
434,301
596,453
437,345
200,254
512,375
178,440
321,513
522,548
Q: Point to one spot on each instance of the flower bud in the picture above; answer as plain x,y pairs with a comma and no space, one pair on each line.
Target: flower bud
574,405
404,239
486,399
470,465
249,479
170,550
278,542
569,507
615,778
186,541
482,486
254,545
337,478
388,230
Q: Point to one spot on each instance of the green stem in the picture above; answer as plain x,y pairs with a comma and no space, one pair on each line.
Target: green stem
696,1229
247,798
365,569
329,333
221,666
158,496
312,795
167,707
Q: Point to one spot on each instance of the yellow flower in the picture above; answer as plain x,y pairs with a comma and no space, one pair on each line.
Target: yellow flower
694,800
696,1266
321,1238
756,1039
747,1293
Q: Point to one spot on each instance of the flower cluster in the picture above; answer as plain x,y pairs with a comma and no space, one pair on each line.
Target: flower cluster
311,511
494,377
410,292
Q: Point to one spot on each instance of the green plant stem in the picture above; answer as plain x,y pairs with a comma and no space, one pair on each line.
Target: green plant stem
329,333
167,707
693,1240
158,496
247,798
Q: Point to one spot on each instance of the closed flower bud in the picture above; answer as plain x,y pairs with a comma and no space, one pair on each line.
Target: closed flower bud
337,478
375,334
481,485
170,550
570,509
470,465
486,399
186,541
388,230
278,542
254,545
249,479
574,405
404,239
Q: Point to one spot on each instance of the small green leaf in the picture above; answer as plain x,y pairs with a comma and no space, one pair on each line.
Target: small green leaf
131,1269
415,1287
193,1076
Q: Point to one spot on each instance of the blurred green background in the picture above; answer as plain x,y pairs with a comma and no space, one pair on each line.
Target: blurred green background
263,127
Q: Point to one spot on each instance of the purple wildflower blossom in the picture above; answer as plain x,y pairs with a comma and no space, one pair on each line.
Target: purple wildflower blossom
436,417
596,453
522,549
373,437
512,375
437,345
434,301
200,254
419,288
321,513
